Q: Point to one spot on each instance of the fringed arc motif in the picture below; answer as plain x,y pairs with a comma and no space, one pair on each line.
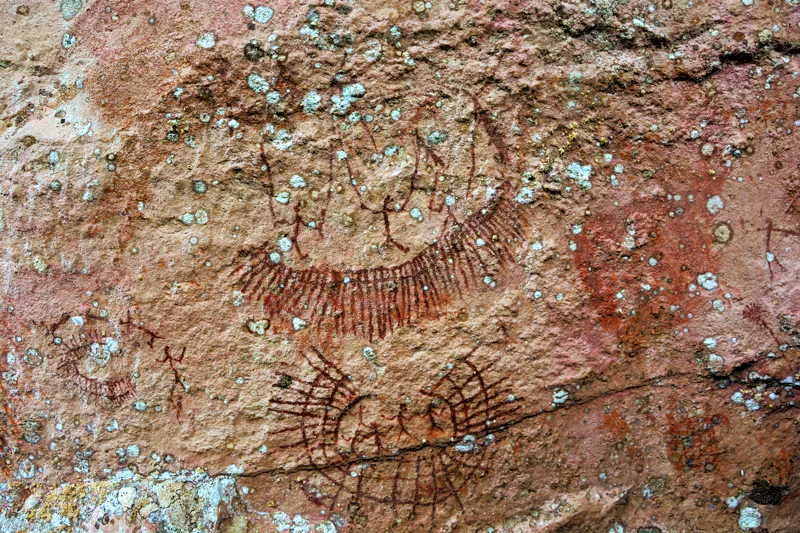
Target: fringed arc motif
373,302
114,390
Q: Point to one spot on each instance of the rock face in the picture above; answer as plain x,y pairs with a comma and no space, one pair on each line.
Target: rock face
400,266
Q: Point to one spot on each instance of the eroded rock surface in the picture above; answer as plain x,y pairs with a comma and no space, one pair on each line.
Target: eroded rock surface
377,266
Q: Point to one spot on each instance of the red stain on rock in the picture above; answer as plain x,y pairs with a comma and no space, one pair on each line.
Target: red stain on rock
615,423
694,442
638,260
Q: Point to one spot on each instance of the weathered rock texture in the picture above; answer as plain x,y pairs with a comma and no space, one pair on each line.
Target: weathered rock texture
377,266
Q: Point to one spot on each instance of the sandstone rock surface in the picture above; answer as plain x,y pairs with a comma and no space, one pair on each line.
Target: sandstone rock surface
400,266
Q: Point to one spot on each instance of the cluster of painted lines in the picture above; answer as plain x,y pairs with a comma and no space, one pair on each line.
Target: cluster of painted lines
390,464
373,302
114,389
172,358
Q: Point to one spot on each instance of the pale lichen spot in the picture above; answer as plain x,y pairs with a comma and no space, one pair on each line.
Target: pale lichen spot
207,40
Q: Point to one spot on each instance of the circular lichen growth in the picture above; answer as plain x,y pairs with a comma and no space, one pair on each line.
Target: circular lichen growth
723,233
70,8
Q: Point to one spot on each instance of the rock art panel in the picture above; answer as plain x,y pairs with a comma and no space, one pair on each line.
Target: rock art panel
399,266
406,463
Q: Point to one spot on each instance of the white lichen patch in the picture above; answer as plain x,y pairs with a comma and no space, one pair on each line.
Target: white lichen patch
207,40
715,204
467,444
201,216
581,174
350,93
39,264
282,140
312,101
284,244
560,397
70,8
68,41
101,353
298,524
171,502
749,518
260,14
708,281
258,327
257,83
126,496
525,195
